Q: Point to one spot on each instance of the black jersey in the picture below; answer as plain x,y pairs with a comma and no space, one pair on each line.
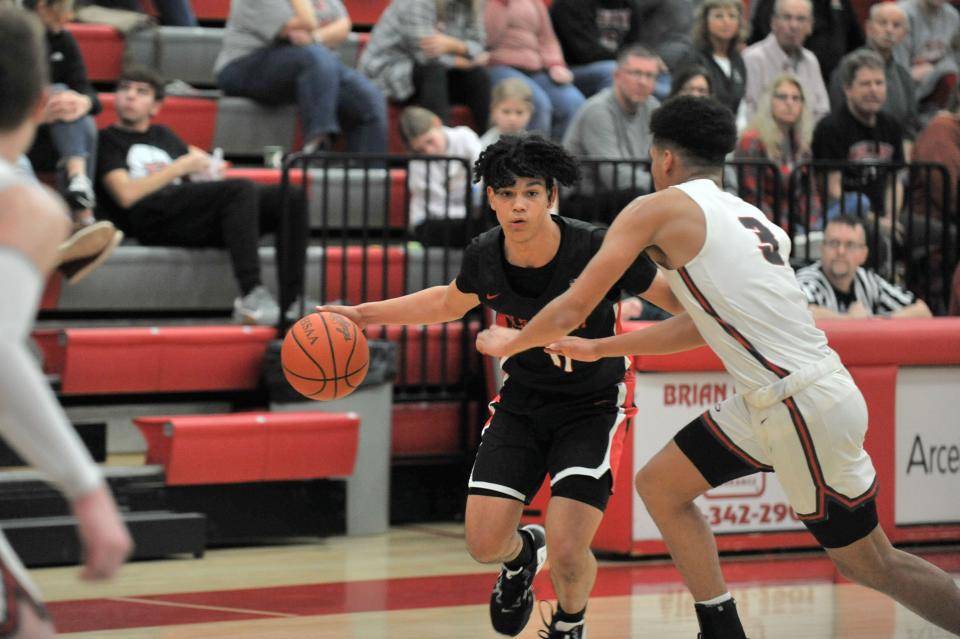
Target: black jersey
484,271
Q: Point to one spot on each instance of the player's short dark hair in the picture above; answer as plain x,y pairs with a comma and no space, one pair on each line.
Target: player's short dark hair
701,129
137,73
23,65
514,156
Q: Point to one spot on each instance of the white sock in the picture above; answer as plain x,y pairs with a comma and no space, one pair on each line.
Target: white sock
716,601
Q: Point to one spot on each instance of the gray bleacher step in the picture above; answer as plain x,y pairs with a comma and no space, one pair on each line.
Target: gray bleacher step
49,541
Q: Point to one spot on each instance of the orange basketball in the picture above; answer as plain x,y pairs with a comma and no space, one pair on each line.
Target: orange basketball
324,356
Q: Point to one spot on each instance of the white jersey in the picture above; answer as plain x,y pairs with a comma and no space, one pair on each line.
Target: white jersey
742,293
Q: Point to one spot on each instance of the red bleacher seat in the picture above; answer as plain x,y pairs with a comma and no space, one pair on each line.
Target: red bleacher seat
354,274
365,13
157,360
251,447
193,119
423,429
102,48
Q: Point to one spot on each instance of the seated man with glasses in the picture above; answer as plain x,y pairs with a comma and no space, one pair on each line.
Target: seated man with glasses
783,51
838,287
614,125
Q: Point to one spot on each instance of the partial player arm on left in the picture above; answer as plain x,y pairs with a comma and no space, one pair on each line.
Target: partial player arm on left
430,306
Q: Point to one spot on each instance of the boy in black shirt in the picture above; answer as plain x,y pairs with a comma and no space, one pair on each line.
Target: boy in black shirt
552,414
144,177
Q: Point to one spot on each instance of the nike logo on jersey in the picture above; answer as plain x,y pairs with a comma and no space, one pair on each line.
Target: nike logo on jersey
492,296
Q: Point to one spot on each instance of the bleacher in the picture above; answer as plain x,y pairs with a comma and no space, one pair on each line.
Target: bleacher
145,343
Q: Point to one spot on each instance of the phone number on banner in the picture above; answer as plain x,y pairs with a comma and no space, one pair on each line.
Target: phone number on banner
749,514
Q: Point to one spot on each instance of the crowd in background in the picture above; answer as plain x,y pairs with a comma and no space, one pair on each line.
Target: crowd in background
804,78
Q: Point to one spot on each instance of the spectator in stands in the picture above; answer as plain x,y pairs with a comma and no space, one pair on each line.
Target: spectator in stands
930,50
591,33
66,142
691,80
522,44
838,287
614,125
860,131
281,51
836,30
886,28
431,53
782,52
939,142
440,200
780,131
510,110
173,13
33,222
717,37
665,29
930,204
147,179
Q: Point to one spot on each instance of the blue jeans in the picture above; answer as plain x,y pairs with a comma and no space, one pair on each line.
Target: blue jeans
554,104
57,141
331,96
594,77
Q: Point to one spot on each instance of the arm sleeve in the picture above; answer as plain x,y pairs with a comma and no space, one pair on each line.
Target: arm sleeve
31,421
576,29
469,275
110,155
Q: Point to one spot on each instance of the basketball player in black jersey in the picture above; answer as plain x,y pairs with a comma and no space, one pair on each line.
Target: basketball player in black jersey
552,415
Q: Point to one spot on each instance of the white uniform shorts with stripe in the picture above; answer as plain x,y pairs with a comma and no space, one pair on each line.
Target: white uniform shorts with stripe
812,440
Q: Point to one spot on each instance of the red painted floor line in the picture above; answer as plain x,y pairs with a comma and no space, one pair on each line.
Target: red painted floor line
411,593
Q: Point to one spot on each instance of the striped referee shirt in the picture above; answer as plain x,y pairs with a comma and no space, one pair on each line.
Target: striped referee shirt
871,290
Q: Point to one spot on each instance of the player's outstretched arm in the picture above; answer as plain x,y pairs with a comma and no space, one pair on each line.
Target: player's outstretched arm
673,335
633,230
429,306
106,541
662,295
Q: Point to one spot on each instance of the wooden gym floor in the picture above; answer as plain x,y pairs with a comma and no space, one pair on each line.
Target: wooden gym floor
418,582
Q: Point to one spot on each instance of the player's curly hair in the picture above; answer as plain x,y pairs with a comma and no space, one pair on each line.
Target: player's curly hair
702,129
514,156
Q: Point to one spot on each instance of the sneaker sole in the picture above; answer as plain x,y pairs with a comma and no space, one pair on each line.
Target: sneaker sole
77,269
86,242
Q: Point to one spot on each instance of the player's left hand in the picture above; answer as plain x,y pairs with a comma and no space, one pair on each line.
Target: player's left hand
495,340
582,350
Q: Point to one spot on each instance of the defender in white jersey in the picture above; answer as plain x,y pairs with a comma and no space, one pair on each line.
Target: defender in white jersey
797,411
33,222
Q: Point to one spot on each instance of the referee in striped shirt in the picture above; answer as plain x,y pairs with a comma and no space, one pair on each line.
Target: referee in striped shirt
838,287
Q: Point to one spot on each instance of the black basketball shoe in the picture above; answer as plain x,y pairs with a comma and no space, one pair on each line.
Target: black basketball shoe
512,600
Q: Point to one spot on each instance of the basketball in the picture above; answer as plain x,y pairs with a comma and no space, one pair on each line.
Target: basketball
324,356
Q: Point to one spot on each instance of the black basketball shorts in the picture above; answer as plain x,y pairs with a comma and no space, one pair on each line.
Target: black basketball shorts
578,441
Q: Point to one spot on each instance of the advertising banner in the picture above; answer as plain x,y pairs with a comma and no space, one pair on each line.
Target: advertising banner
665,403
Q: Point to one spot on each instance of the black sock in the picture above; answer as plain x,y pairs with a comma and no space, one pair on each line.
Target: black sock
526,553
720,621
568,617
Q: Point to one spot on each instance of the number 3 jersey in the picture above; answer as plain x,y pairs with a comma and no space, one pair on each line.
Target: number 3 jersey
742,293
517,294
